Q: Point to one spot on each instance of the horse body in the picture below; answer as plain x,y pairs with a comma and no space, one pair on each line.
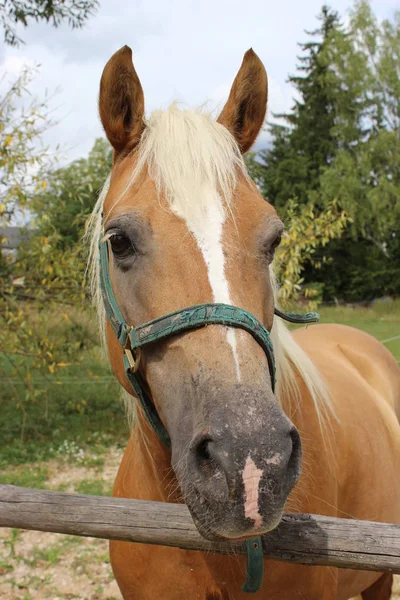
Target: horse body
185,226
349,475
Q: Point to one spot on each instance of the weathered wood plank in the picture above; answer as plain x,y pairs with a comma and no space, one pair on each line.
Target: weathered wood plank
305,539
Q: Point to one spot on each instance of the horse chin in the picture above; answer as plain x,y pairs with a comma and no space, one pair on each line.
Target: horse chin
216,527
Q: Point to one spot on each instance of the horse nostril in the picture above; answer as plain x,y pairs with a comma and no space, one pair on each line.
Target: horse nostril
294,465
210,468
296,443
203,450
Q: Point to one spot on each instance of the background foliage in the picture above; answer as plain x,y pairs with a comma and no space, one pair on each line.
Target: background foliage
332,171
55,12
44,319
341,143
22,157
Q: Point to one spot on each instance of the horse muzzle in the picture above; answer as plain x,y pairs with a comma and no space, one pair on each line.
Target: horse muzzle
239,470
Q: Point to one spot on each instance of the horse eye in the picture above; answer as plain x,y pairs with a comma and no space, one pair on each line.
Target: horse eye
121,245
276,242
273,246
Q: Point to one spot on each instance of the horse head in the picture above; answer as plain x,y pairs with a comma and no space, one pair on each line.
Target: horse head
185,226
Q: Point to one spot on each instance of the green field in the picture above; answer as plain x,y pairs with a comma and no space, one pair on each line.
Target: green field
81,404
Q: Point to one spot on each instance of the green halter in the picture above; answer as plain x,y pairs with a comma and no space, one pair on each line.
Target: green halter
132,339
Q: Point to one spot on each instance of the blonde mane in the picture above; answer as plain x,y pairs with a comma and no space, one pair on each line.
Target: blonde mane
183,151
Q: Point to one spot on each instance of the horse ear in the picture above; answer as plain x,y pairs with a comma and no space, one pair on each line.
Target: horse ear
244,113
121,102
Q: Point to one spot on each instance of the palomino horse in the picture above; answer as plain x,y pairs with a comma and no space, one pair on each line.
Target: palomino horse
183,225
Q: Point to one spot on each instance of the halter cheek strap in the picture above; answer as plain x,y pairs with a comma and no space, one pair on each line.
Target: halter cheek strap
133,339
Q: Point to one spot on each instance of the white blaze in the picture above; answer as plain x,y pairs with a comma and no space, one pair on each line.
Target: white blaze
251,481
206,222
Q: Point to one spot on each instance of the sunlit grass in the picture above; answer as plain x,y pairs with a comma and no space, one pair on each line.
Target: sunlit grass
25,477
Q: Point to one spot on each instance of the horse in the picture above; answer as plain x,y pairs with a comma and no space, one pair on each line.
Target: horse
182,225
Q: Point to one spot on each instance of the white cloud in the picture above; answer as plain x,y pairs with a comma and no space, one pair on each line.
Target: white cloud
183,49
13,65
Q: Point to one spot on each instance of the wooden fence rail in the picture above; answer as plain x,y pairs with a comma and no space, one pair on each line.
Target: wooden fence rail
305,539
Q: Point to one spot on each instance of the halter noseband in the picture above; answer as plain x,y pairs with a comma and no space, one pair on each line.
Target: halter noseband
133,339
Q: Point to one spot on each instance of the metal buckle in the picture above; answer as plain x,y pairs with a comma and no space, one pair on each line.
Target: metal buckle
133,359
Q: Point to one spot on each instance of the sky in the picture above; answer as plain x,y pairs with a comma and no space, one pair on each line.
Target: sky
185,50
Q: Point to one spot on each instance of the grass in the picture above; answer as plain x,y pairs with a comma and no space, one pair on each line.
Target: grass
94,487
75,403
49,556
13,538
25,477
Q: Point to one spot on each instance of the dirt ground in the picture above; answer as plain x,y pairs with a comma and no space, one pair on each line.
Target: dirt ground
39,566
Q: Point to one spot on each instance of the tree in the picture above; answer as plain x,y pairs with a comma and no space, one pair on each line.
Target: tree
303,142
22,156
365,175
53,260
288,173
39,335
64,205
51,263
23,162
13,12
340,144
307,232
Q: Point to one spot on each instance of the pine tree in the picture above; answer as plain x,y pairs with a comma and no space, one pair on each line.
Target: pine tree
304,145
